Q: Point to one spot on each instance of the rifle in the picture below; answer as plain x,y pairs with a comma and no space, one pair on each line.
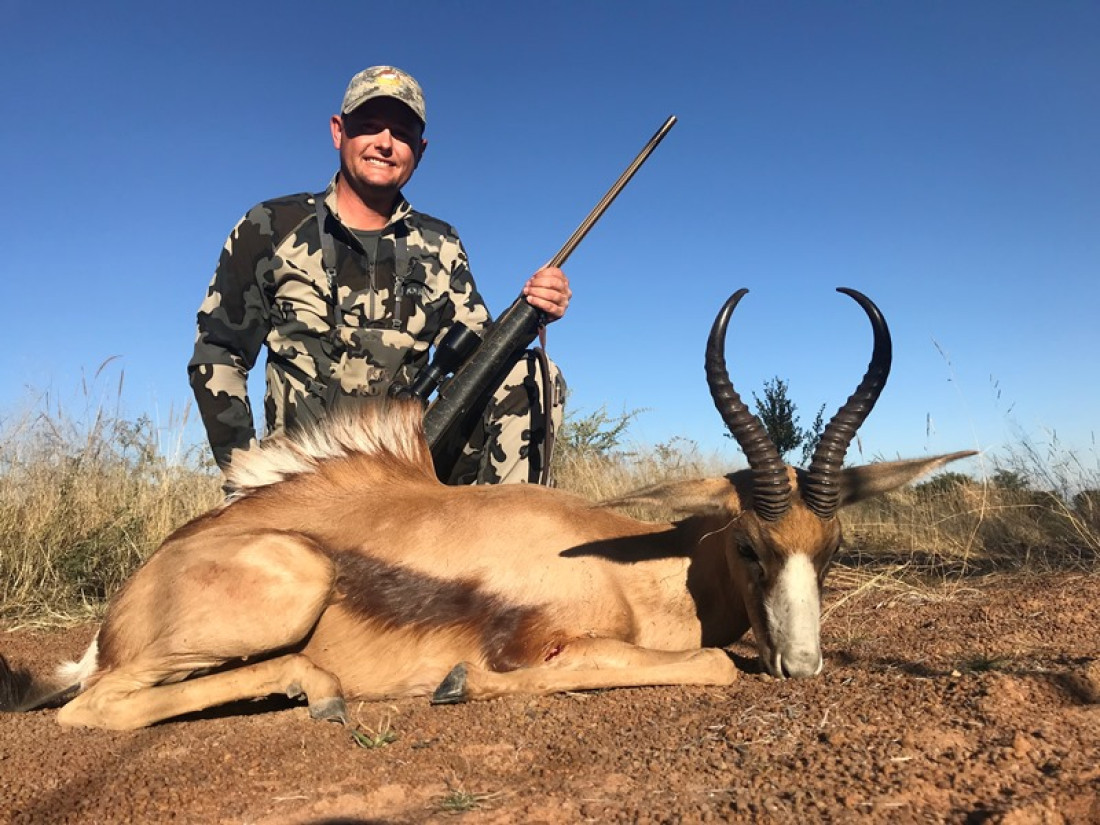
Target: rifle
479,365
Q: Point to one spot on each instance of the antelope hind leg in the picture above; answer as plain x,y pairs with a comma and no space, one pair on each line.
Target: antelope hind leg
200,604
589,664
120,702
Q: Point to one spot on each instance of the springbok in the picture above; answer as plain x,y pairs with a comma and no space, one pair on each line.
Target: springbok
344,569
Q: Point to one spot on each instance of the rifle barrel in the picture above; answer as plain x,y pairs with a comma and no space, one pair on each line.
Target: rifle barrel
612,193
516,328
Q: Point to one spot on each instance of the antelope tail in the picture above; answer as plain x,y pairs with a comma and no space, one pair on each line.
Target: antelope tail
20,691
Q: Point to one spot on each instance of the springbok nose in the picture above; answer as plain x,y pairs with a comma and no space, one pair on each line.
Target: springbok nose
800,664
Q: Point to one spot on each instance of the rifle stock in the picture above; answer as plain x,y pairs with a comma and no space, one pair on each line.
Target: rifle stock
458,398
450,419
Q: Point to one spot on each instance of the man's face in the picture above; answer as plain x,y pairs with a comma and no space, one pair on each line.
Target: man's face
380,144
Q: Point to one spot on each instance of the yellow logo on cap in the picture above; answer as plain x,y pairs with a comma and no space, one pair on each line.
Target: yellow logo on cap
389,78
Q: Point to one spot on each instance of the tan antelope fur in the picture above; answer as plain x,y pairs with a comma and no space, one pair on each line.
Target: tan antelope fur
342,569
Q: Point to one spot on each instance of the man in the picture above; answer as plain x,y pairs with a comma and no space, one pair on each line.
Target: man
349,289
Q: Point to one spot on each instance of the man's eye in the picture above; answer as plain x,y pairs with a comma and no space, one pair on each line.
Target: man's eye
357,128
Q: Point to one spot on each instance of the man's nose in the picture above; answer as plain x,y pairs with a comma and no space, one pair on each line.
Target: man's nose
384,138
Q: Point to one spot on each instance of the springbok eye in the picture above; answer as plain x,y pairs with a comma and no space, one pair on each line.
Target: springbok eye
747,552
826,565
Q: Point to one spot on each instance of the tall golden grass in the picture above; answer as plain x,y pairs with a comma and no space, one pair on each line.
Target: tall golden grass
974,527
84,499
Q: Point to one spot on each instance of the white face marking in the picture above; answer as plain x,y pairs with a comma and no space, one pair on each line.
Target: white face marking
793,613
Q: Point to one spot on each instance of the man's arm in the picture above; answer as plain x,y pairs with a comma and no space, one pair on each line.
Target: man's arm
468,307
233,323
547,290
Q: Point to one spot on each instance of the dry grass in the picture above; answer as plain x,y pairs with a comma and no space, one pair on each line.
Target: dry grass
974,528
85,498
601,475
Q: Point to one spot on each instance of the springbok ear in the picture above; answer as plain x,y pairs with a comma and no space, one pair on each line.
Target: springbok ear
703,496
870,480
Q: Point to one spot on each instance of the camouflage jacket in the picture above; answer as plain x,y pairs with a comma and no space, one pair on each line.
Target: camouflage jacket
352,333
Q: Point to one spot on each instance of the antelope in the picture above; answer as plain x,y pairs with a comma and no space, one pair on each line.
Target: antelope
342,569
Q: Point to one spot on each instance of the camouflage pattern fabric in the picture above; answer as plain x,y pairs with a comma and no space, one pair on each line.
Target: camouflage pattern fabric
351,335
509,446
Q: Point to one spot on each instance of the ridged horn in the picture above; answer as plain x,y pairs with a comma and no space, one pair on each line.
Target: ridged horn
821,491
771,487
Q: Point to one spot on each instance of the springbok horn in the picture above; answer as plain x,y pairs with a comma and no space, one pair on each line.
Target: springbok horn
771,487
821,491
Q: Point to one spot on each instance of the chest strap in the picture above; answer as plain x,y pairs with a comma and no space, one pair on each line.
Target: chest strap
402,265
328,247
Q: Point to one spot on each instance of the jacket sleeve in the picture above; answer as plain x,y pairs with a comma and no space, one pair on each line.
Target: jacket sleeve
233,322
468,305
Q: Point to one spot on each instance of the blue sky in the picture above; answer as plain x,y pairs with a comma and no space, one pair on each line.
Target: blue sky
939,156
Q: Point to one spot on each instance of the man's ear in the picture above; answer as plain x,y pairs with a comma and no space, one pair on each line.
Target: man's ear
336,126
423,149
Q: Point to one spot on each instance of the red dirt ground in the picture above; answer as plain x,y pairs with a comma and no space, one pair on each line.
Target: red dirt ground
973,702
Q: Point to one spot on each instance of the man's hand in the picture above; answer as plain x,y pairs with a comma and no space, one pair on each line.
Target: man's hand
548,290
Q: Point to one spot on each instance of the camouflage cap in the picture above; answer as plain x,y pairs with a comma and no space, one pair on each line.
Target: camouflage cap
384,81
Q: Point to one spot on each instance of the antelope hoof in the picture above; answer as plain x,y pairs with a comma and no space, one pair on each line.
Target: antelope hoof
452,690
330,710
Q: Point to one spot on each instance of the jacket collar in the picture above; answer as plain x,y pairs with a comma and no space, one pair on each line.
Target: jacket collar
401,209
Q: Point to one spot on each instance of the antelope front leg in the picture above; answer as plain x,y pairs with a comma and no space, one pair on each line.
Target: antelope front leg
589,664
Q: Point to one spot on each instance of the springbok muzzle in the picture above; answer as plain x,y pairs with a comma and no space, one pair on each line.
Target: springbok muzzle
793,615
